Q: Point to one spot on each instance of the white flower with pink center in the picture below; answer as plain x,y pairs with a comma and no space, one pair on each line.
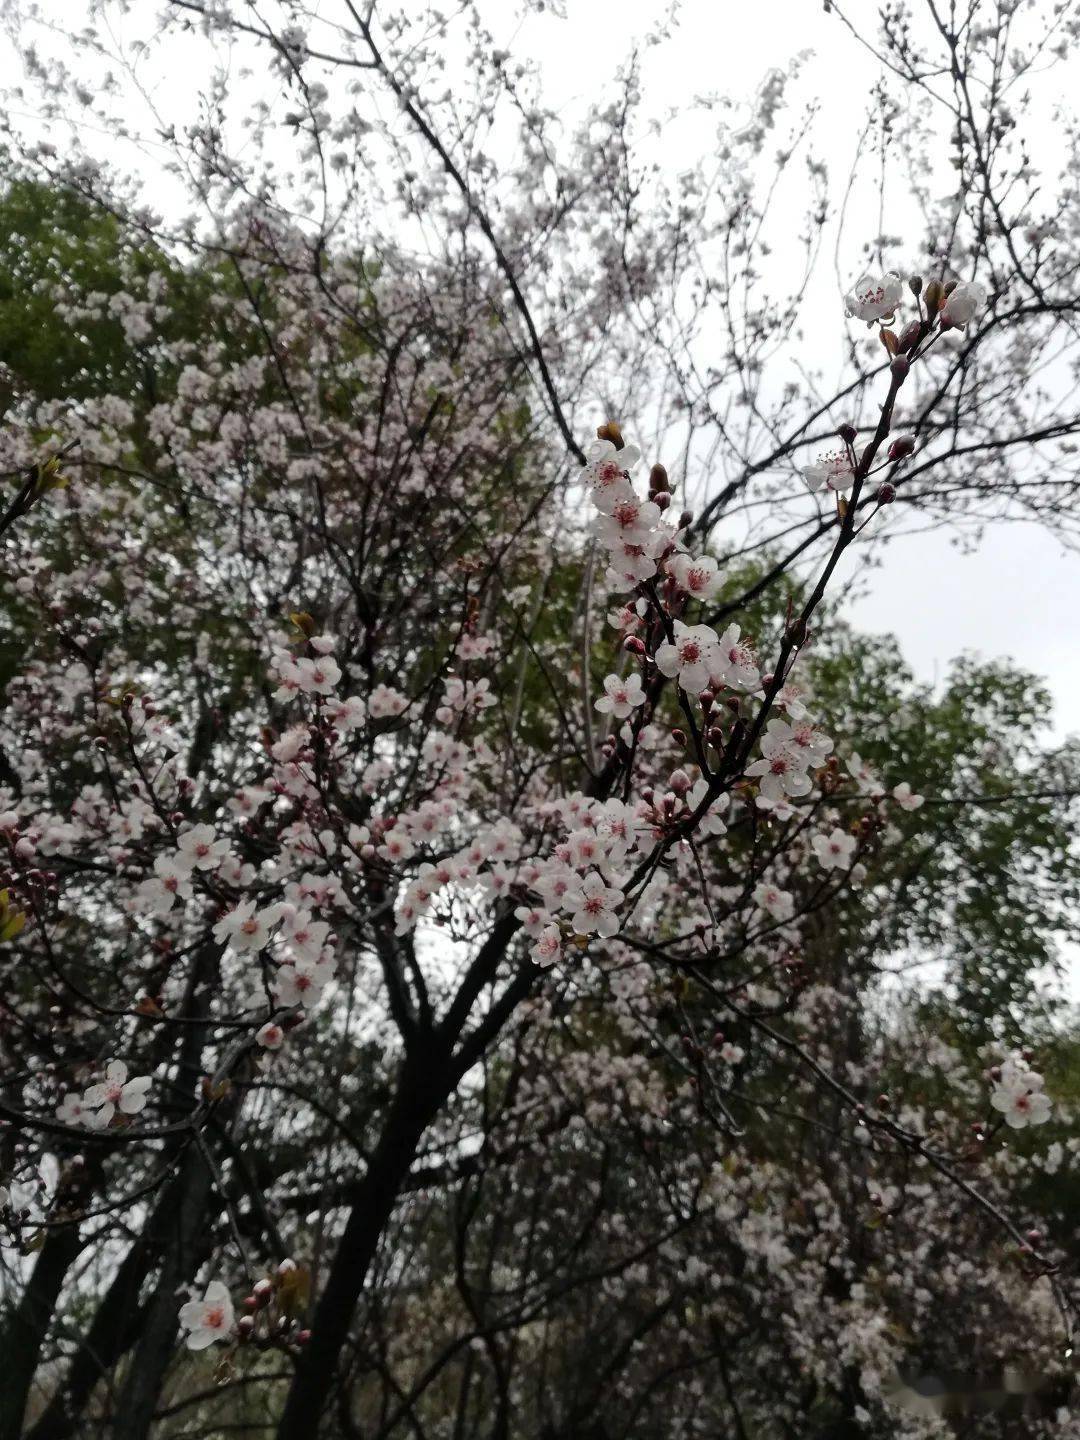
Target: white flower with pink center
348,714
534,920
593,905
555,884
303,933
774,901
874,297
712,822
547,947
632,521
606,472
625,618
863,775
397,846
834,470
200,849
271,1036
302,982
802,739
689,657
171,881
733,663
245,928
790,699
317,676
617,826
72,1111
384,702
115,1092
700,577
905,797
835,850
630,564
1018,1095
621,697
781,771
208,1319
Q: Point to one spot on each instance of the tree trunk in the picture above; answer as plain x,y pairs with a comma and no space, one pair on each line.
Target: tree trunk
112,1331
415,1105
22,1336
157,1343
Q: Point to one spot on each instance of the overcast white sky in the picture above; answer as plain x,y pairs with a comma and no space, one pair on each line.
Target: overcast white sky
1018,593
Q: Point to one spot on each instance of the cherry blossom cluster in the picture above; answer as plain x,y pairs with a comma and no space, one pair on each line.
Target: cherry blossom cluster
267,1319
876,299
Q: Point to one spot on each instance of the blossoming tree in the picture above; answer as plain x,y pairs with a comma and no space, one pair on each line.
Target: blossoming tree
440,901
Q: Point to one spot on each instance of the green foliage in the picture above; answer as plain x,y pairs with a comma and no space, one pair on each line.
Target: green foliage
985,881
52,243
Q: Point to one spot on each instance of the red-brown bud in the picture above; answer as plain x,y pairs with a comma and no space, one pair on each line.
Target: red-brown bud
901,447
900,368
